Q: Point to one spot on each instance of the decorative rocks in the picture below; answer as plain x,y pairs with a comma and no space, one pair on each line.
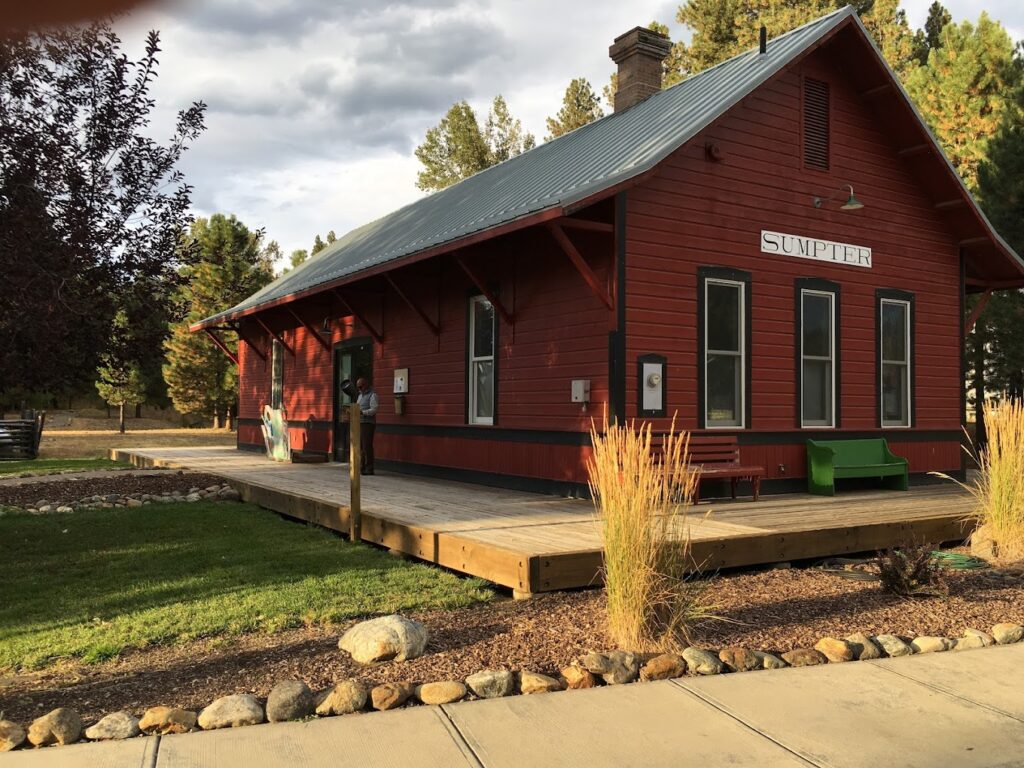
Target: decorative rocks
492,683
701,662
165,720
441,693
534,682
12,735
61,726
663,667
968,643
834,650
893,646
985,637
576,677
289,700
863,647
117,725
384,639
739,659
615,668
1005,634
804,657
770,661
390,695
928,644
344,698
231,712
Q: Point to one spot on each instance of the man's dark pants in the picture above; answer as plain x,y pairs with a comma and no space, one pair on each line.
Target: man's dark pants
366,430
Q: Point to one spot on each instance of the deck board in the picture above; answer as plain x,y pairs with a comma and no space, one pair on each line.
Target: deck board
537,543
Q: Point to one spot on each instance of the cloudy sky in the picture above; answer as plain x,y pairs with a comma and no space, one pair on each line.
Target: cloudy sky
315,106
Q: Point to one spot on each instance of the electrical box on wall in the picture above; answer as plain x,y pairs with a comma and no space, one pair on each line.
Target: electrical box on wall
401,381
581,390
651,387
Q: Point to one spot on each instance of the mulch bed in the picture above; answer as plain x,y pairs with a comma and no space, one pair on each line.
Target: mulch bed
773,610
69,488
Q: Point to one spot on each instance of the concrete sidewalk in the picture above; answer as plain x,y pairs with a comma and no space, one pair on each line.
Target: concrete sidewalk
960,709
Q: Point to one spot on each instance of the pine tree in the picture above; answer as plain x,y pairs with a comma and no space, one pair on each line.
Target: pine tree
929,37
580,106
120,379
231,266
318,245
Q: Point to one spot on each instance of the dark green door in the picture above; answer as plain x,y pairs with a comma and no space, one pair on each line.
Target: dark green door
351,360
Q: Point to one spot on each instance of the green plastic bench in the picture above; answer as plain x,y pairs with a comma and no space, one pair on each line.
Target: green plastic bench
828,460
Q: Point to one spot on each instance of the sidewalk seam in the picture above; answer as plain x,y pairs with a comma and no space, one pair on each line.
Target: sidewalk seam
728,713
150,757
458,737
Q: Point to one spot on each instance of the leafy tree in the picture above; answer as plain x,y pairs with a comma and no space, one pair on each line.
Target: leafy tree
92,207
120,380
929,37
318,245
459,146
580,106
230,267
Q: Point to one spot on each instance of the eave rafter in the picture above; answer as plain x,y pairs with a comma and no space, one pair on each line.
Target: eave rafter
311,328
978,309
239,328
377,335
481,285
434,327
275,335
221,345
581,265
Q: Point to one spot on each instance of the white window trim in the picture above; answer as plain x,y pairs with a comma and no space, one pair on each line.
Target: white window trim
831,359
882,363
742,355
472,360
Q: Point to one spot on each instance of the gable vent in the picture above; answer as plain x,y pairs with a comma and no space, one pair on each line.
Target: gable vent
815,123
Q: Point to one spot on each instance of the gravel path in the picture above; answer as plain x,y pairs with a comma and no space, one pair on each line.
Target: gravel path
68,488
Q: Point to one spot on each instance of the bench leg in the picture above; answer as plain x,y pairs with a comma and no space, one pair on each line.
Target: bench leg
756,482
734,481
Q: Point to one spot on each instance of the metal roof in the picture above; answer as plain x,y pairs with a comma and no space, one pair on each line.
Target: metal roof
554,175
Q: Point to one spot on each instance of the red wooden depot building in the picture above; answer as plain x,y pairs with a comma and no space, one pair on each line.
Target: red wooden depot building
778,239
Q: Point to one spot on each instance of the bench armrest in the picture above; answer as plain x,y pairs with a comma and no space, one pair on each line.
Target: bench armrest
820,468
890,457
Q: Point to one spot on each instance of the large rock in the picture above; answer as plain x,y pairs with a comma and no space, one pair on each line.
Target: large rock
534,682
863,647
893,646
615,667
701,662
492,683
165,720
834,650
61,726
739,659
116,725
770,660
231,711
804,657
385,639
664,667
289,700
968,643
982,543
576,677
927,644
441,693
390,695
344,698
1005,634
12,735
985,637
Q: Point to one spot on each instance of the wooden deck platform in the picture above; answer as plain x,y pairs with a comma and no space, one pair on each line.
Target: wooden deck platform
534,543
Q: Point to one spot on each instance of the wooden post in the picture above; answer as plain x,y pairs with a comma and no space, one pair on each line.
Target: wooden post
355,455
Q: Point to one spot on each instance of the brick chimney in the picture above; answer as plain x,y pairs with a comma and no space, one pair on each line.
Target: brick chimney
639,54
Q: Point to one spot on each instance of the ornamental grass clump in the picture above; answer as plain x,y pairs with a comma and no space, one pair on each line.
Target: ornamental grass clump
999,487
642,499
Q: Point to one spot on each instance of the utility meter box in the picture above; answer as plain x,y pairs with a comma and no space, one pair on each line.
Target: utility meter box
652,387
581,390
401,381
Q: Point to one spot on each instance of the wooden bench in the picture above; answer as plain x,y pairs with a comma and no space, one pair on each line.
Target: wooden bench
19,438
828,460
717,457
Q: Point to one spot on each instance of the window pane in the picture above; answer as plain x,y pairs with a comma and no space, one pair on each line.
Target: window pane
723,392
277,376
817,384
483,328
894,331
723,313
894,394
484,383
817,320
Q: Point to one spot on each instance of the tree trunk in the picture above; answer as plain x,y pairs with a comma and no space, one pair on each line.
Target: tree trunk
978,354
108,411
231,418
121,417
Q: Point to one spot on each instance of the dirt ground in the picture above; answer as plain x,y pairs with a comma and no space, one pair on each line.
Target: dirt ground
93,442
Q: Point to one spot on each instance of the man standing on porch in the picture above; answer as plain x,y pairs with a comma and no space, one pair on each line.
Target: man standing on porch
368,404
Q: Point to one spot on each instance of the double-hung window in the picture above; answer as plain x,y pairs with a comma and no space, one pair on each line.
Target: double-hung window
725,347
818,334
277,375
481,361
895,346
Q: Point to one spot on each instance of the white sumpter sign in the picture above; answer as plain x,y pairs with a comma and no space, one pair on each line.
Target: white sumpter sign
812,248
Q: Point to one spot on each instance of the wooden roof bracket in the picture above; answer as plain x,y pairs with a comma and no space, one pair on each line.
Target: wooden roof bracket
221,345
248,340
434,327
277,336
487,292
311,328
978,309
581,265
377,335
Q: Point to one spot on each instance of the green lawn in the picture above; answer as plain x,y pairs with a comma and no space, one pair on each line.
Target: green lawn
52,466
96,582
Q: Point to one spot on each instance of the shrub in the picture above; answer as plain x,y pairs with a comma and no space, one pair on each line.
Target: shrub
911,570
642,501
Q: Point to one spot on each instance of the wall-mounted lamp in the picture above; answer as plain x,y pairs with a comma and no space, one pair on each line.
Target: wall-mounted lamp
851,204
